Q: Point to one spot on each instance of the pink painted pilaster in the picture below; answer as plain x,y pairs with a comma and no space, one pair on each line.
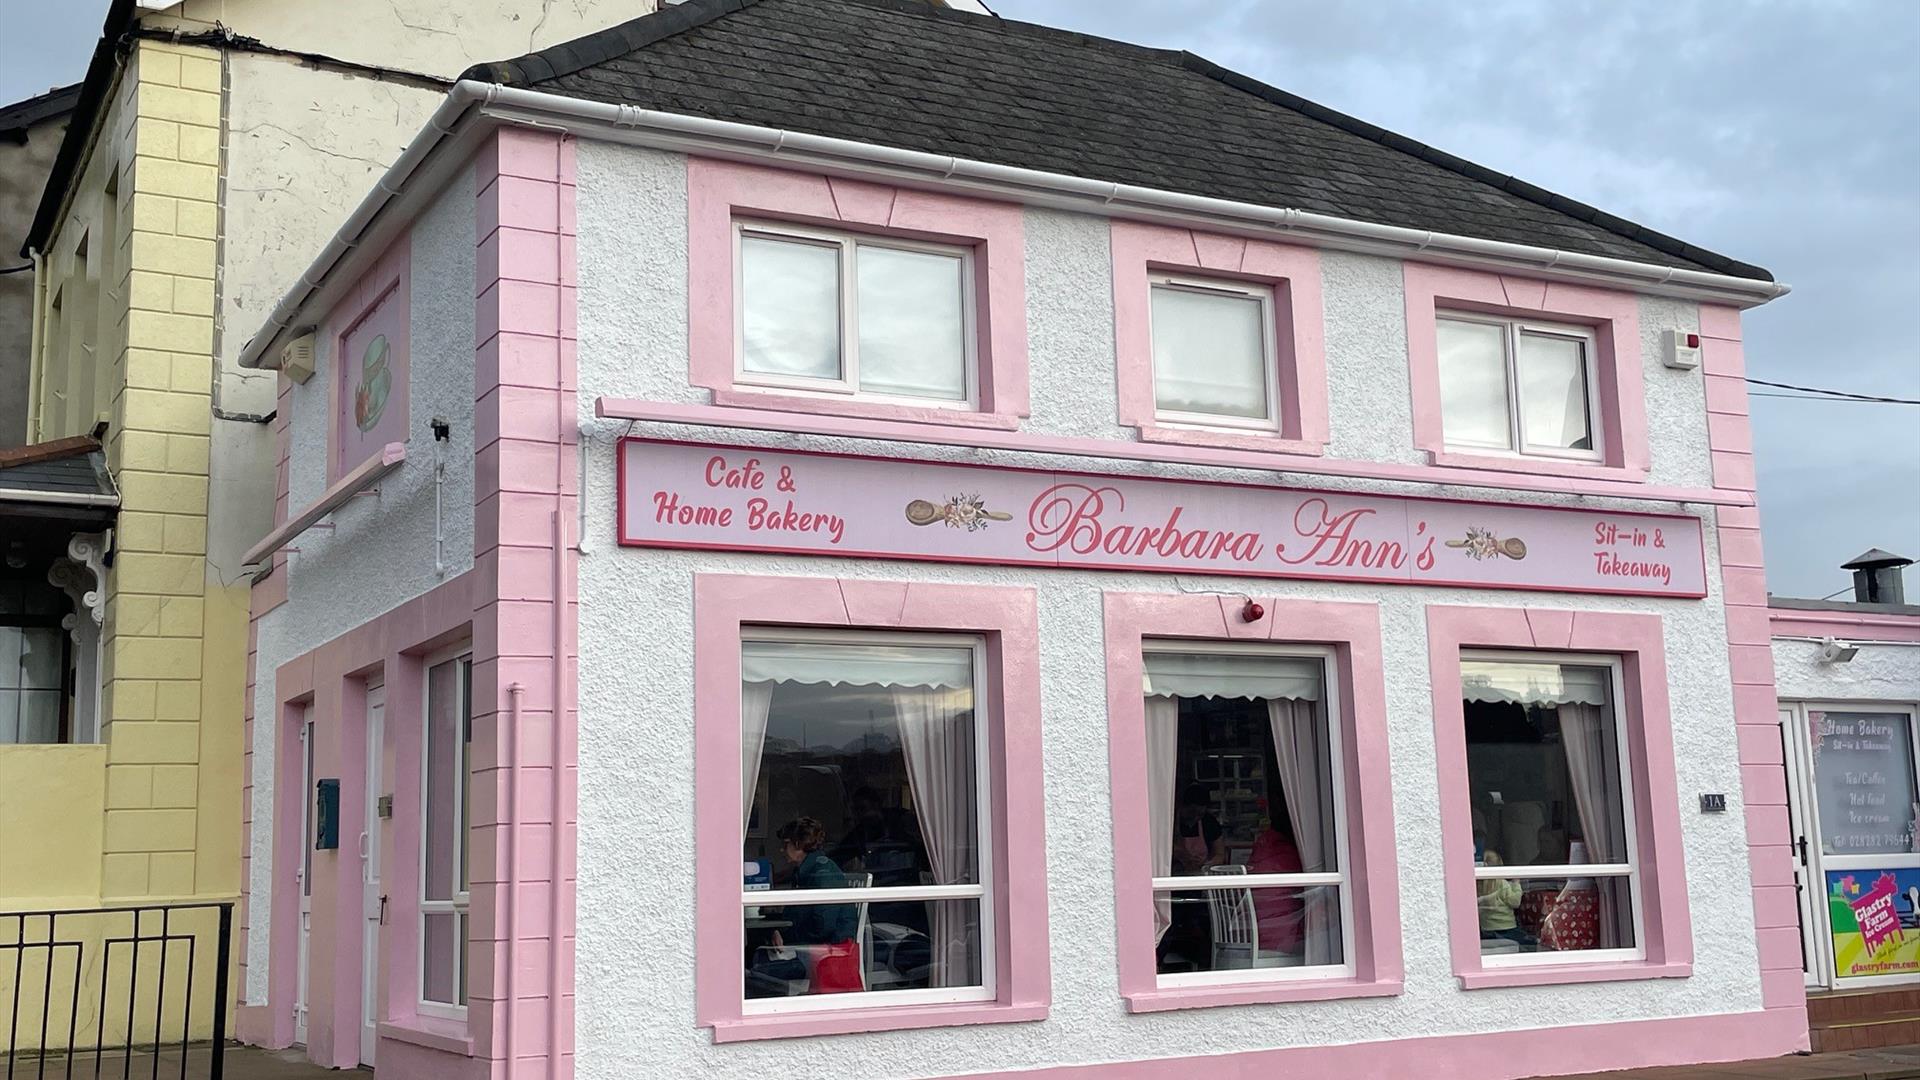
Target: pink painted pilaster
1743,584
520,987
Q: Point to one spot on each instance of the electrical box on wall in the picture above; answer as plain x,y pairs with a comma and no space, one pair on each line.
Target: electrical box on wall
1680,349
326,815
296,358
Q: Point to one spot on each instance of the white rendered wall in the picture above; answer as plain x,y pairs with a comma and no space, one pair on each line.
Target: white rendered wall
1884,672
380,552
634,967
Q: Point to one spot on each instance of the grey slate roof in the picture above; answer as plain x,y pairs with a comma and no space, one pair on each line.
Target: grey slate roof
907,74
73,466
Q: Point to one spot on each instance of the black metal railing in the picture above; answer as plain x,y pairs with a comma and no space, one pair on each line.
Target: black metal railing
115,992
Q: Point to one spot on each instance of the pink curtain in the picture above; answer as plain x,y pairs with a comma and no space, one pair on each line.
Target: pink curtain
1300,749
1163,743
937,739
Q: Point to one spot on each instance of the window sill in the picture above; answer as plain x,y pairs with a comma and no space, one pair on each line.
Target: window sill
871,410
1230,440
1537,466
896,1018
1558,974
1207,997
433,1033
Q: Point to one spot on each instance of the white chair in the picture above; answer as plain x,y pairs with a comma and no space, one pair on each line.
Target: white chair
862,930
1236,927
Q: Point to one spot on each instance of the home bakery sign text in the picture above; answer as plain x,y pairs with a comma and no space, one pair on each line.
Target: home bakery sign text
696,495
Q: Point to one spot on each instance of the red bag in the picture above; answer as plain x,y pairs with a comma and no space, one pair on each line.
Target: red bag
836,969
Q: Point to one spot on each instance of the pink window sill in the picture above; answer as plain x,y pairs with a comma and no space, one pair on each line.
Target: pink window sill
897,1018
1230,440
1557,974
871,410
1537,466
431,1032
1207,997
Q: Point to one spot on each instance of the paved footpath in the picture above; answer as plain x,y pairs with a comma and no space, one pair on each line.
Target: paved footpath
1891,1063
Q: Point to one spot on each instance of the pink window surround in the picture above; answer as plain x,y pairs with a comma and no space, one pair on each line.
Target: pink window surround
1353,632
382,294
721,192
1666,929
1008,618
1293,273
1615,319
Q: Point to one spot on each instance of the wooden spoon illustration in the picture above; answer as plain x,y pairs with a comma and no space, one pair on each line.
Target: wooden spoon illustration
1512,547
922,512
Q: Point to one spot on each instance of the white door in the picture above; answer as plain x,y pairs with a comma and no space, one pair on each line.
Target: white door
305,795
1808,882
373,901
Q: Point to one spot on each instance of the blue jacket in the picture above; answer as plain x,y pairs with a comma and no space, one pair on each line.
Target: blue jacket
820,924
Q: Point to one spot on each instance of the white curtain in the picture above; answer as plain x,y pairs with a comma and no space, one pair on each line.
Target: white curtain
1300,750
1163,744
756,700
1583,736
936,736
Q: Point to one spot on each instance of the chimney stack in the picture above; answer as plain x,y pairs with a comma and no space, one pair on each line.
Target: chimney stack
1877,577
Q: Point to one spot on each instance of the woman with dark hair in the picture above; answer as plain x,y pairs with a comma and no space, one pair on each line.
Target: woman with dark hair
823,933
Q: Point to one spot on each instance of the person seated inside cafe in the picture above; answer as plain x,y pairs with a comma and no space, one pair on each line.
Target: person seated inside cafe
818,946
1199,842
1499,900
1279,912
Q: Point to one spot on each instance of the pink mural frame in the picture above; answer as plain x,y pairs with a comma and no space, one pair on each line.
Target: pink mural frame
1353,632
1008,617
1638,640
1615,319
391,276
721,192
1292,272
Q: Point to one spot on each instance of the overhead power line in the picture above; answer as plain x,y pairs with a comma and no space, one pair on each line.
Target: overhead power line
1838,395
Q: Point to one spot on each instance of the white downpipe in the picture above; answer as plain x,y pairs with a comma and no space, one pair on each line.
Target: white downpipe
439,526
673,131
514,692
556,952
37,342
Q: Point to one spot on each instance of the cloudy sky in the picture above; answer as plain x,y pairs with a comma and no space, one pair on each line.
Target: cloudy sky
1782,133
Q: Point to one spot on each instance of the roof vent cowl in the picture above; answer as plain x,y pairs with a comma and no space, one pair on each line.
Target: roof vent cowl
1877,577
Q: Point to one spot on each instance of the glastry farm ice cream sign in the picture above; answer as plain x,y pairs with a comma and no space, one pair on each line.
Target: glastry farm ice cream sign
691,495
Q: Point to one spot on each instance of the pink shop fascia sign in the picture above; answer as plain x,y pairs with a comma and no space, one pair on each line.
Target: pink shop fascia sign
736,498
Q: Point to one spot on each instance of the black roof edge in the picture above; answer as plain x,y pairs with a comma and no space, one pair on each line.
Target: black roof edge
1512,185
603,45
102,71
30,111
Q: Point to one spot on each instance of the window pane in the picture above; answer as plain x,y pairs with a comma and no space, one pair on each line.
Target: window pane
12,645
849,948
1473,384
30,716
1240,783
442,946
42,657
1528,915
1543,764
790,297
912,330
444,793
1863,776
1229,929
1209,353
1553,392
859,760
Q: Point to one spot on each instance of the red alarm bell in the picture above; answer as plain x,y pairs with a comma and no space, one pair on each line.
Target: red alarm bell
1253,612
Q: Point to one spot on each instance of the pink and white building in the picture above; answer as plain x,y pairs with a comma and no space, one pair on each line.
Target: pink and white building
1092,568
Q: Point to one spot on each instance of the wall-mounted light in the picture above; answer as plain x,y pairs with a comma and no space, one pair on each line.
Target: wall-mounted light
1835,651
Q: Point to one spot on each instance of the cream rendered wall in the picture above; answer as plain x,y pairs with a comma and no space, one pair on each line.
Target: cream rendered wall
1889,673
636,689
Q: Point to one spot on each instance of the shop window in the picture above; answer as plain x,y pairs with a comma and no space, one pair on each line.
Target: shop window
838,313
1513,386
34,662
1863,774
866,861
1245,807
1213,353
447,799
1553,848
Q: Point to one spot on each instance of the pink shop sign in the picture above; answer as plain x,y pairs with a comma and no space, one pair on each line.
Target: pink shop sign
735,498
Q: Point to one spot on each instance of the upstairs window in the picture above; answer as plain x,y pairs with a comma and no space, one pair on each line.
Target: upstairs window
1518,387
858,316
1213,353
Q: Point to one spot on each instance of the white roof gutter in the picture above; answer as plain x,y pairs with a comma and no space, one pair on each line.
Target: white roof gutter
721,138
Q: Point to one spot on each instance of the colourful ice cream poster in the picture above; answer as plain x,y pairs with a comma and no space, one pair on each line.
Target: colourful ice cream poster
1875,916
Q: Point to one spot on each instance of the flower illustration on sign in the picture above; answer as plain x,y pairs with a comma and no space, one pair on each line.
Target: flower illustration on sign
967,512
1481,543
376,380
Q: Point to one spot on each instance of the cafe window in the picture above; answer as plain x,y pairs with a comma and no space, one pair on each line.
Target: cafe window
854,315
1246,811
866,861
447,800
1863,777
1554,864
1213,353
1517,386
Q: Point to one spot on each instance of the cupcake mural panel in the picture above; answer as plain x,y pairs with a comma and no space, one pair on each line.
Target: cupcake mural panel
681,494
371,380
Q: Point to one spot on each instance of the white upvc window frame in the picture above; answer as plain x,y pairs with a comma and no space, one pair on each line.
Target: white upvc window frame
1269,344
1330,702
459,904
1630,869
981,890
1511,330
848,245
